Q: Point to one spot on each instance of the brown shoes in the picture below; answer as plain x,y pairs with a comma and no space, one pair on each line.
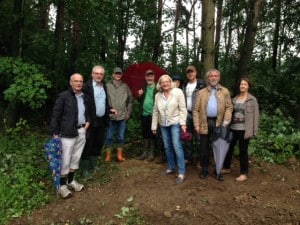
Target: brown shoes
241,178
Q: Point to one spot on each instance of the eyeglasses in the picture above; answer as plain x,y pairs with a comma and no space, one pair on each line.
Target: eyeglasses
98,73
189,71
118,73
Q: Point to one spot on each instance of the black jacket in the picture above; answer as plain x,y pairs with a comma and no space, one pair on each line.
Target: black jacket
64,118
88,90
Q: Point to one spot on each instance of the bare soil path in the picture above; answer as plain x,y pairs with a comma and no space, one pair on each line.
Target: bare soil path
271,195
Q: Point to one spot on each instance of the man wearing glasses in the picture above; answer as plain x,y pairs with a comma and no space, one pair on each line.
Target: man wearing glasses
95,88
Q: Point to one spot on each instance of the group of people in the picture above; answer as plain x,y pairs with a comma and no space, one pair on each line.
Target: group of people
87,111
81,117
198,108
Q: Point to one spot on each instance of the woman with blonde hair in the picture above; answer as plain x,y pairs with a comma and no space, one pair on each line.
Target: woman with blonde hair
170,114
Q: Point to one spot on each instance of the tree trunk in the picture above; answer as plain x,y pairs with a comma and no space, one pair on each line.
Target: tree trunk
276,34
218,31
207,33
228,40
75,42
121,32
17,28
43,15
187,30
57,60
248,45
158,38
174,47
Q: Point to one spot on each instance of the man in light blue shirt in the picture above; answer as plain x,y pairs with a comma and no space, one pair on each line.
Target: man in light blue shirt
213,108
95,88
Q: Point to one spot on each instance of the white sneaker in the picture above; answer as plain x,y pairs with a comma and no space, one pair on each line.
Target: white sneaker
76,186
64,192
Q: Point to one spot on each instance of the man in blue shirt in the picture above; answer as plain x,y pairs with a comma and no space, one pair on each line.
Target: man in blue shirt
95,88
213,108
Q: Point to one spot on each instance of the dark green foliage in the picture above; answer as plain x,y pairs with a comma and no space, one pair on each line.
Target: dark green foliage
23,172
134,131
278,140
26,83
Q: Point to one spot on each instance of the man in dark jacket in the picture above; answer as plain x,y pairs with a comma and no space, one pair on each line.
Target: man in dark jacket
190,90
69,121
146,96
95,88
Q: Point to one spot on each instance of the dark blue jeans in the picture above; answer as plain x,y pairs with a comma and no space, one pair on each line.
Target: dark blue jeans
120,125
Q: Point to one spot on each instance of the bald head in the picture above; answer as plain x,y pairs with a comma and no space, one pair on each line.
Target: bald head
76,82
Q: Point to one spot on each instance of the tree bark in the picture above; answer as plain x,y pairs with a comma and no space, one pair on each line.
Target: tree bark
174,46
158,38
58,36
17,29
228,40
248,45
218,31
276,34
75,41
43,15
207,33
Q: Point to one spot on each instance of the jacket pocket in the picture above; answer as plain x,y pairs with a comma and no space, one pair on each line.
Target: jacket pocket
249,108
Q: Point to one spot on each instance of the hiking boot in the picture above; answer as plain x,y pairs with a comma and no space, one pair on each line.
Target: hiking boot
76,186
204,173
120,156
64,192
144,155
219,176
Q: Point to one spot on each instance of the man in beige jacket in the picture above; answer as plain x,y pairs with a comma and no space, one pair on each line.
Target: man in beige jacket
213,108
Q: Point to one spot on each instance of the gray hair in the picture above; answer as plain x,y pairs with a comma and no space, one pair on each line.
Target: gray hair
75,74
210,71
158,86
98,67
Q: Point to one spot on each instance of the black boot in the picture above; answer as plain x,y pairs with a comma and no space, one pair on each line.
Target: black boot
219,176
146,143
204,173
151,155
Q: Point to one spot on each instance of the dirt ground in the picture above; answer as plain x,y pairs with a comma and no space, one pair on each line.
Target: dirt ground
271,195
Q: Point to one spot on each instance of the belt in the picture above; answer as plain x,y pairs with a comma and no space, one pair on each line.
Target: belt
80,126
211,118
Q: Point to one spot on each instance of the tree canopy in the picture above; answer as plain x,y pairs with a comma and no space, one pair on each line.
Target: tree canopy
256,38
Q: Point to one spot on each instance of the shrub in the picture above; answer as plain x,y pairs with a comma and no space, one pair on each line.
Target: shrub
23,172
278,140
